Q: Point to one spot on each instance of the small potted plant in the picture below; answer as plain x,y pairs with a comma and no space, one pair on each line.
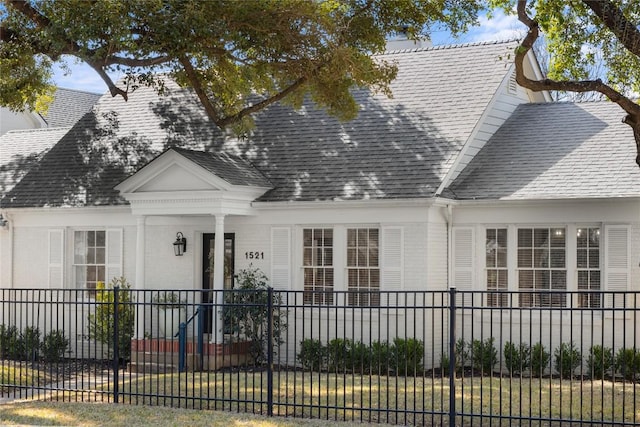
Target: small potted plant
170,312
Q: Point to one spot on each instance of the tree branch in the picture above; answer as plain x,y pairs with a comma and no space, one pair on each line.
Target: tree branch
631,108
27,10
113,89
613,18
197,87
262,104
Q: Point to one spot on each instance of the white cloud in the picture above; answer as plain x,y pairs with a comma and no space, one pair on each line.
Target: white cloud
499,27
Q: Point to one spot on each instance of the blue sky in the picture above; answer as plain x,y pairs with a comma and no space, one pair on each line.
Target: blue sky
500,27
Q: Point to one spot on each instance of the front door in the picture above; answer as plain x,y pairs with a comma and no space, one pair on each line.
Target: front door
208,251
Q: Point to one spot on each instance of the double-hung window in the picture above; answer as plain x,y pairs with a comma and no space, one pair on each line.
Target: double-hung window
318,265
363,267
89,258
588,265
496,266
542,267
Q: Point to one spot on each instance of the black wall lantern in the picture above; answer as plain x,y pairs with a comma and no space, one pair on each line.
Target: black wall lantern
180,245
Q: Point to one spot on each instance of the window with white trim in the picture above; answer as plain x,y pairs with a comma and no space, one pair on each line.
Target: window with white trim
496,266
317,254
363,266
89,258
542,267
588,266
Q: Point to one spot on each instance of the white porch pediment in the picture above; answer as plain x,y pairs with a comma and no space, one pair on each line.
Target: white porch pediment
173,184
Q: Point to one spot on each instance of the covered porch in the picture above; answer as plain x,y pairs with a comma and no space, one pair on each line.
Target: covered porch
186,185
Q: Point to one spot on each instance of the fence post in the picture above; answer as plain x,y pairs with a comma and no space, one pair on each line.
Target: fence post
270,351
452,356
201,318
116,341
182,347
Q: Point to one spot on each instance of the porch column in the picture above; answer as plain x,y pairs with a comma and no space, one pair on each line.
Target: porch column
139,283
218,280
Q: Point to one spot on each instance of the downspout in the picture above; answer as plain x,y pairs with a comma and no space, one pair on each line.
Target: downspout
9,225
449,221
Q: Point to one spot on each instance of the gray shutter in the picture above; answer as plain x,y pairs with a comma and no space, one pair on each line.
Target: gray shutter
463,262
114,254
616,263
392,264
56,259
281,258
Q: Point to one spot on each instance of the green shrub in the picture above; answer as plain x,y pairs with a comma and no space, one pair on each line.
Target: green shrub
246,316
484,355
627,363
517,358
102,320
380,357
444,365
407,356
9,342
54,345
312,355
29,343
567,357
359,357
338,354
462,358
600,361
540,359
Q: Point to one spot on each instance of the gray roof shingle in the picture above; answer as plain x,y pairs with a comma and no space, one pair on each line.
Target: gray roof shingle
232,169
555,151
22,149
396,148
69,106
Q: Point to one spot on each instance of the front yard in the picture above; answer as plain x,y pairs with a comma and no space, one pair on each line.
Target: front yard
394,400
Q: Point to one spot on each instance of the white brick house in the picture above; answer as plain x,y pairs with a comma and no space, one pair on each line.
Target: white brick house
462,178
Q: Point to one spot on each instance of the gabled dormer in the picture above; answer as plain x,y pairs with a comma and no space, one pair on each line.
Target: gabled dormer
503,103
186,182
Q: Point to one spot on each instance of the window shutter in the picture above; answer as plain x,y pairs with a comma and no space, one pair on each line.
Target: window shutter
114,254
392,264
56,259
616,263
281,258
463,244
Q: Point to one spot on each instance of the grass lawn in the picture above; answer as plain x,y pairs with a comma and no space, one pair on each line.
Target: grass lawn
102,414
22,375
419,401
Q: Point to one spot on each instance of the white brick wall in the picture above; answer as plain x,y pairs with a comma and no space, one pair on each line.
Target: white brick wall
31,257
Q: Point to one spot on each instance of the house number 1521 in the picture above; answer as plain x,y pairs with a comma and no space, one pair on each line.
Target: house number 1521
254,255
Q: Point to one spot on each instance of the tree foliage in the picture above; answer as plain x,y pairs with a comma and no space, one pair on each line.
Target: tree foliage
238,56
583,36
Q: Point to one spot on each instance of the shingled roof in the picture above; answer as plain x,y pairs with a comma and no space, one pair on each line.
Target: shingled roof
555,151
21,149
232,169
396,148
69,106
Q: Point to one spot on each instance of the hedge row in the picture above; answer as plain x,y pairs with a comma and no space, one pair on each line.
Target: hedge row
27,344
567,357
402,356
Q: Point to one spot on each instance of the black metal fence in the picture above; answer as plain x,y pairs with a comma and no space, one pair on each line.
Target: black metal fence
434,358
